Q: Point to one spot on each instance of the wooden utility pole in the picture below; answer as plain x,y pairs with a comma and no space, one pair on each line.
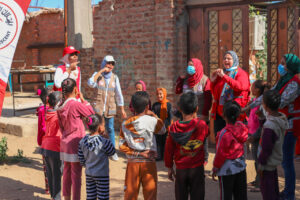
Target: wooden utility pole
66,21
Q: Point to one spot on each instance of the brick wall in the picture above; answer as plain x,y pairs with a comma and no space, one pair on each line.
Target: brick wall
38,33
147,39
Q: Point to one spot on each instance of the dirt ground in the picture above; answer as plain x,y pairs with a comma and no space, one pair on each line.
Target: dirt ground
25,180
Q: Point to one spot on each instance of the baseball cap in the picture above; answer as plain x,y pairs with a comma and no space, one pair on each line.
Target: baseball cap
70,50
109,58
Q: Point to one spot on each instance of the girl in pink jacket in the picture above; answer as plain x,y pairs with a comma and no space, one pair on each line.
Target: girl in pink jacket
70,114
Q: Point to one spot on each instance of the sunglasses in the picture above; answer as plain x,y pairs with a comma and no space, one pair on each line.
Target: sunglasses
110,63
73,54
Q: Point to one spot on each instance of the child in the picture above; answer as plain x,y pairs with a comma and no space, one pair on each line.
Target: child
50,147
93,153
139,86
69,114
270,149
229,162
185,147
109,93
257,89
139,145
162,109
40,112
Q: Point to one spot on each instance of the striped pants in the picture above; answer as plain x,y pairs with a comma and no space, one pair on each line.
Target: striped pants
97,187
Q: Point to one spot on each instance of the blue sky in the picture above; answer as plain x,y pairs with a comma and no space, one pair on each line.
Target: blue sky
51,4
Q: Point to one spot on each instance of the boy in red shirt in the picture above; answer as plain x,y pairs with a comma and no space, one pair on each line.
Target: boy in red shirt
184,146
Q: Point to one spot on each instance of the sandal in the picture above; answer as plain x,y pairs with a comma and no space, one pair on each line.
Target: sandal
255,189
253,184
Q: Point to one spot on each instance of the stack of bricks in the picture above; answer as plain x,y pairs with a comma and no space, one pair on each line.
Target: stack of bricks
147,39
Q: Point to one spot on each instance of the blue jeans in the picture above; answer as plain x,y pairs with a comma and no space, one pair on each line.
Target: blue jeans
109,126
288,150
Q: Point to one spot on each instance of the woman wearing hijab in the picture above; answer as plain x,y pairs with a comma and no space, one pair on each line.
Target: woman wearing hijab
139,86
69,69
229,83
196,81
109,93
289,88
162,108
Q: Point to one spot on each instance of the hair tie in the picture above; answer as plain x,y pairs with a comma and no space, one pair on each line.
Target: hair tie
90,121
39,92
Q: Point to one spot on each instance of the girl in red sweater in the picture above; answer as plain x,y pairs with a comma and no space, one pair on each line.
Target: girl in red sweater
229,162
50,147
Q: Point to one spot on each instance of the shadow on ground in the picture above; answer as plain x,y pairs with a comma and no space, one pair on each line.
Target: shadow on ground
18,189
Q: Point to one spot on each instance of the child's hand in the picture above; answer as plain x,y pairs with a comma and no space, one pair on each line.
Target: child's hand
171,174
259,113
245,109
250,139
104,134
214,173
149,154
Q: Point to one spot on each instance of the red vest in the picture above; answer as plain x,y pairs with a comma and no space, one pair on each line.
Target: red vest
292,111
63,68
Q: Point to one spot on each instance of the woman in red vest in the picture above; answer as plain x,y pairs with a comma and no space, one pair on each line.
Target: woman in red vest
289,88
229,83
69,69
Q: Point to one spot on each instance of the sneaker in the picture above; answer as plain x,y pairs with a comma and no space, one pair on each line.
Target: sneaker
115,157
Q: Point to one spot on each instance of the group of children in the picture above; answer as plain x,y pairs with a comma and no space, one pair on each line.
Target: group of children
150,135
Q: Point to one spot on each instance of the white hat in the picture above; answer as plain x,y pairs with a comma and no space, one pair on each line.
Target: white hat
109,58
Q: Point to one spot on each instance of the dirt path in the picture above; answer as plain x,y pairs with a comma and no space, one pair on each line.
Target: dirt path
25,180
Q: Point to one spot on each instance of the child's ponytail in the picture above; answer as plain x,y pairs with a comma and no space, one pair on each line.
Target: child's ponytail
93,122
67,87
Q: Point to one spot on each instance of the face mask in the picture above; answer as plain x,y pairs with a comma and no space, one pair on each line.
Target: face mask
231,69
191,70
281,70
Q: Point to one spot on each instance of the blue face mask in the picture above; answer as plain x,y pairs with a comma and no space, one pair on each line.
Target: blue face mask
281,70
191,70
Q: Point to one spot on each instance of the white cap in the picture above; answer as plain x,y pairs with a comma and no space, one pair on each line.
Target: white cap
109,58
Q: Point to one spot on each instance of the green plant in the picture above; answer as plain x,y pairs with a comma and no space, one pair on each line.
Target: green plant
261,55
20,154
3,149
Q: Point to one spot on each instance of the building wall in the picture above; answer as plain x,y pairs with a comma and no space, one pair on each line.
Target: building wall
41,30
147,40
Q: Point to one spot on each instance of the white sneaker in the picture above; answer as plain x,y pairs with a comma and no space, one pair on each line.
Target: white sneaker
115,157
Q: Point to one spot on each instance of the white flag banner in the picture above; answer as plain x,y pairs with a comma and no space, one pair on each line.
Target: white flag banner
12,15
